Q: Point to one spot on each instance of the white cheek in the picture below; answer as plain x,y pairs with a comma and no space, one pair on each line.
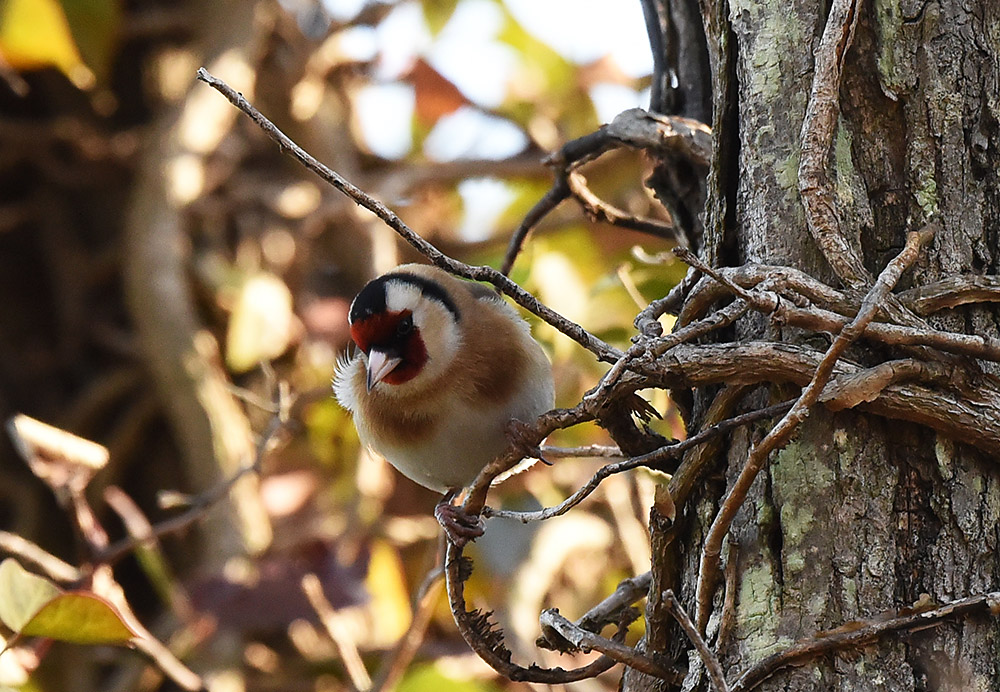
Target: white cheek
440,334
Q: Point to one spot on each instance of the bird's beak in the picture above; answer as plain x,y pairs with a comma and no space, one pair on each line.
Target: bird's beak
380,364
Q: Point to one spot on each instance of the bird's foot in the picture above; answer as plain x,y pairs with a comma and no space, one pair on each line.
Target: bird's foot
459,526
519,434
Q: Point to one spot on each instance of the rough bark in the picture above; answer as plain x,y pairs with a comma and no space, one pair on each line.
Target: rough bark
858,516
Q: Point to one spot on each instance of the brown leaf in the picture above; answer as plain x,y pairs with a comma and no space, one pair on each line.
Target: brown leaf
436,96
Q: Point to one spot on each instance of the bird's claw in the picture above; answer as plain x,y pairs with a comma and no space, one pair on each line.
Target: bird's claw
459,526
519,434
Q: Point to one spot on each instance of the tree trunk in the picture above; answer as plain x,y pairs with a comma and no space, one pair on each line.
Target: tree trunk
859,516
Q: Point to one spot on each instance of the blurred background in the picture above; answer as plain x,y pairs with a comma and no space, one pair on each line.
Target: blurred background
163,266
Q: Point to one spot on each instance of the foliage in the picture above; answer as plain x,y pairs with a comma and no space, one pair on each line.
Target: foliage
272,260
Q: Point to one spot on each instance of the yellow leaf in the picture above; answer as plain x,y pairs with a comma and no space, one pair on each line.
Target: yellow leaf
261,324
34,34
390,604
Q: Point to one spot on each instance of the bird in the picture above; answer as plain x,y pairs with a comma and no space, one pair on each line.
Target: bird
444,376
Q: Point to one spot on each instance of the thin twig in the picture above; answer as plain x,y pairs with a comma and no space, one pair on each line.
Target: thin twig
55,568
859,633
339,632
708,658
200,504
707,291
395,664
552,199
646,350
587,641
647,321
527,301
599,210
653,459
151,556
782,431
603,451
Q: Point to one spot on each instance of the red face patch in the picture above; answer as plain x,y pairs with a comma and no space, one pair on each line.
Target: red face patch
387,332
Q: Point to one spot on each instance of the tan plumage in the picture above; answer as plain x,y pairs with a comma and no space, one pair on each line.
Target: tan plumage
443,420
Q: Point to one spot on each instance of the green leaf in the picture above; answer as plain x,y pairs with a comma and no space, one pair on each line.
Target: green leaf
429,678
95,25
79,617
33,606
22,594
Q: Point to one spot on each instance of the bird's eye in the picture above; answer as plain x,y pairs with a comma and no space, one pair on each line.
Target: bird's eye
405,326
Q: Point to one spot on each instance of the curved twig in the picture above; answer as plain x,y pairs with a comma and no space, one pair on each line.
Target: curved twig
818,126
487,640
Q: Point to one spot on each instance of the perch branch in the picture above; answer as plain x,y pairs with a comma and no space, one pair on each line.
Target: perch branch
486,640
527,301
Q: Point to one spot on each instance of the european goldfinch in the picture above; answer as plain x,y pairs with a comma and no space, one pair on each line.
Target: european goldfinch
443,367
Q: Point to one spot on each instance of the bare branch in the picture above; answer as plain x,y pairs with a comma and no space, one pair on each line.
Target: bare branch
599,210
818,126
605,451
972,419
339,632
527,301
952,292
859,633
715,673
199,505
31,552
395,665
552,199
653,459
608,611
647,321
588,641
487,640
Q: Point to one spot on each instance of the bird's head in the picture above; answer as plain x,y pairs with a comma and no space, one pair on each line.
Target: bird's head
407,326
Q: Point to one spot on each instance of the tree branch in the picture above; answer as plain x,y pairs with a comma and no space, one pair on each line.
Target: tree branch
527,301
